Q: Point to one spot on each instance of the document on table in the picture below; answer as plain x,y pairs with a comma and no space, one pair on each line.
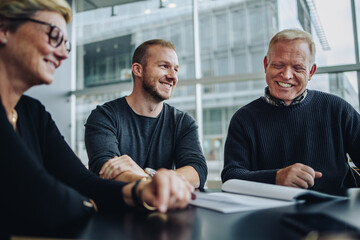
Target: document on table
241,195
231,202
273,191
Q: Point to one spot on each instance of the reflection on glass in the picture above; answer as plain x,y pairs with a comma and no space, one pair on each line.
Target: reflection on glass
233,37
176,225
338,31
107,37
357,13
343,85
333,35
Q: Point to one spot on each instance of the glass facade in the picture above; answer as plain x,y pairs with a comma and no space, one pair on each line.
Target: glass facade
233,39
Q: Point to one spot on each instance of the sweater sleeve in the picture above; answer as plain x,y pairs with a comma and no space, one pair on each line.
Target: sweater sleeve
32,198
351,120
62,163
239,154
188,150
100,131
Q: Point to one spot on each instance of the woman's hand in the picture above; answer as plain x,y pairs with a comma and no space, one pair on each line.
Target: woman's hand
166,190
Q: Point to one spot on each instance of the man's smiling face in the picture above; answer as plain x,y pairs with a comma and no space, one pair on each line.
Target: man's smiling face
160,72
288,69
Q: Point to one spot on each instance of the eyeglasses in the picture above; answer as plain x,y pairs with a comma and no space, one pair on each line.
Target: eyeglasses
56,36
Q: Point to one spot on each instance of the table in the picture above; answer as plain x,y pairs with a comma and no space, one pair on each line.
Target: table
199,223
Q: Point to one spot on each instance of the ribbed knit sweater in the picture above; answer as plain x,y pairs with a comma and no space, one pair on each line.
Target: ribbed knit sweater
318,132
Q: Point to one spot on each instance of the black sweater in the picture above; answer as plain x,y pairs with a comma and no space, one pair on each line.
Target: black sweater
167,141
318,132
44,184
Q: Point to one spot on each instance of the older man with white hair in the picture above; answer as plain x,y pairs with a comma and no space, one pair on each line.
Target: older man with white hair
293,136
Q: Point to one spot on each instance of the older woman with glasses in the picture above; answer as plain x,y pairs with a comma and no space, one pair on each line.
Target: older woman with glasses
44,185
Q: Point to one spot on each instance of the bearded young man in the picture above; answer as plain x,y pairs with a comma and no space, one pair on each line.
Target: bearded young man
131,137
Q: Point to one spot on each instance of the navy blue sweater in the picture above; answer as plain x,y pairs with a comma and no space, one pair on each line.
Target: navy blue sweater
318,132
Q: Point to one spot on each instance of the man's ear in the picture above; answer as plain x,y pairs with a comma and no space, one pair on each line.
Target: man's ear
265,63
312,71
137,69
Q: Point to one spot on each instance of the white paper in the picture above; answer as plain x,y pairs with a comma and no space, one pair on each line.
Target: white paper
266,190
229,202
241,195
262,189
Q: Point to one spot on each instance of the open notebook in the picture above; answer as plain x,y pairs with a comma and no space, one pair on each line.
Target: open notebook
241,195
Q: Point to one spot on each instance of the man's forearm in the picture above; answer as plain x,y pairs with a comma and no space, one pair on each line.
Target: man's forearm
129,177
190,174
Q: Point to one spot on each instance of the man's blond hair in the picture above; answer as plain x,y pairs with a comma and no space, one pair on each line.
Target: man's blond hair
291,35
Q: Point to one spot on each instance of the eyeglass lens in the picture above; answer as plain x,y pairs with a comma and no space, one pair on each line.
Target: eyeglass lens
56,37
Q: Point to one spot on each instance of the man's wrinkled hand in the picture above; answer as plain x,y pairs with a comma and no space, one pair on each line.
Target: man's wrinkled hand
297,175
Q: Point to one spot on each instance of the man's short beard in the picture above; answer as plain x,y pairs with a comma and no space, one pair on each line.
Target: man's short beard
152,91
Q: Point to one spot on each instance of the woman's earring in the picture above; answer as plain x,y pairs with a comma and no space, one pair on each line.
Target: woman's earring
4,41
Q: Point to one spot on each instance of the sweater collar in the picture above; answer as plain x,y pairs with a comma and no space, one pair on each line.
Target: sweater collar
278,102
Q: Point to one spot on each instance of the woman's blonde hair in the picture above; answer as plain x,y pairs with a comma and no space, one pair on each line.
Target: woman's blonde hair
12,9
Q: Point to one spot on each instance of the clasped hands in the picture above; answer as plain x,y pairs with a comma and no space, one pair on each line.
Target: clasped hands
297,175
166,190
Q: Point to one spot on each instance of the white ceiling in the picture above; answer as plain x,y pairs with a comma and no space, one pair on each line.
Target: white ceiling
85,5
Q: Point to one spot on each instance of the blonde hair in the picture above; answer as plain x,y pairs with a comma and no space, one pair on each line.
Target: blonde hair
141,54
26,8
291,35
